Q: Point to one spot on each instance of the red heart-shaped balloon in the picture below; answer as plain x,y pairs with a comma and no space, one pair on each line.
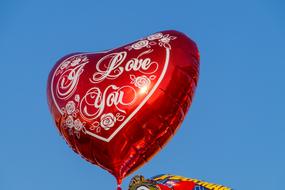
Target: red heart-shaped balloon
117,108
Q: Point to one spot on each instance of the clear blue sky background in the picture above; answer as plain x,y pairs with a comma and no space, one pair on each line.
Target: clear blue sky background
234,132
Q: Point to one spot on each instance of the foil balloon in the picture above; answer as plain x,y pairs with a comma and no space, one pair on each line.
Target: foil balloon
172,182
117,108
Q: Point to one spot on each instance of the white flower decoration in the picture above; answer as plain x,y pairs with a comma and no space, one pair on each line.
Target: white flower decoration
78,125
70,107
64,64
155,36
141,81
77,98
107,121
69,122
74,125
76,61
165,40
140,44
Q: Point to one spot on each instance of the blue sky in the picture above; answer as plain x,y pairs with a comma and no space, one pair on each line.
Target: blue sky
234,132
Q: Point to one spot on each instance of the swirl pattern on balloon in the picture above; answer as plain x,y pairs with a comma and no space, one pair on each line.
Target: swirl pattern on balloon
101,105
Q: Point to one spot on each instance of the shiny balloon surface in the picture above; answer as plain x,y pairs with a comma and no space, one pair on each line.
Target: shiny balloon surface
119,107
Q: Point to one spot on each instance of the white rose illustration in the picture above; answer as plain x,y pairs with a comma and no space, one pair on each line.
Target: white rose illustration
78,125
76,61
64,64
70,107
142,81
77,98
155,36
140,44
69,122
107,121
165,40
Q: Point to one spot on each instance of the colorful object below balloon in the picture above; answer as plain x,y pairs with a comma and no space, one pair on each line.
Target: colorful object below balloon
172,182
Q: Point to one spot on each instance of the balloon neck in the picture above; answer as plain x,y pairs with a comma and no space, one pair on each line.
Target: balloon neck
119,181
